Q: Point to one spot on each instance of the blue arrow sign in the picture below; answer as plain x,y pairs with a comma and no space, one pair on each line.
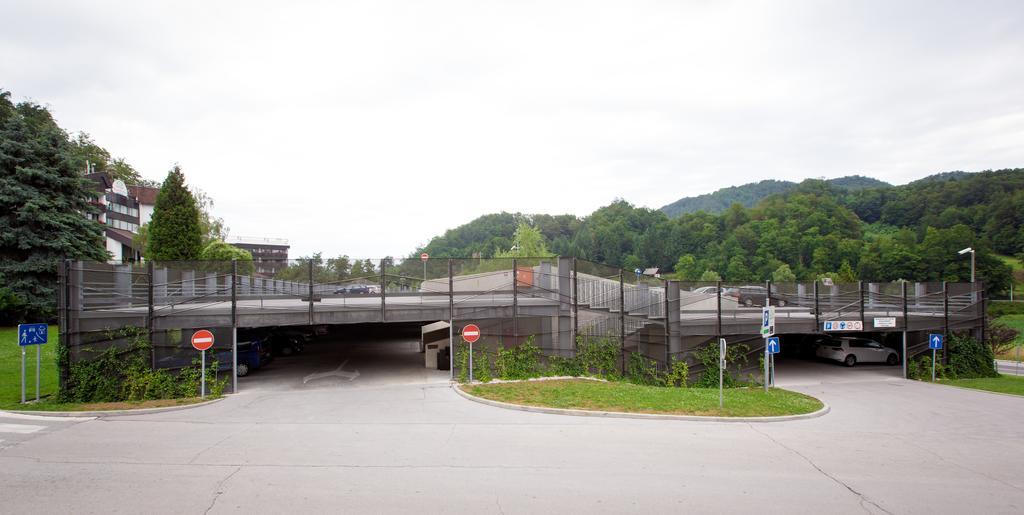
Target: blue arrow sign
935,341
31,334
773,345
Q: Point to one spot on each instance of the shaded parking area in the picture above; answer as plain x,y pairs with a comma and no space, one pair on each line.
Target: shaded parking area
346,359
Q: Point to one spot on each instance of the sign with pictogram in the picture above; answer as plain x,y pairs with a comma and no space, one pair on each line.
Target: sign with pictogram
202,339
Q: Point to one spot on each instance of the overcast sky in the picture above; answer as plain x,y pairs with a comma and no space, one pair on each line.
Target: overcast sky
366,128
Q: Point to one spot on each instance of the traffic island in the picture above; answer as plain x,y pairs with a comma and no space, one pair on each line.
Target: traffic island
586,397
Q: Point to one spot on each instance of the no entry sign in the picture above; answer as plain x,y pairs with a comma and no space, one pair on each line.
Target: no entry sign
202,339
471,333
424,256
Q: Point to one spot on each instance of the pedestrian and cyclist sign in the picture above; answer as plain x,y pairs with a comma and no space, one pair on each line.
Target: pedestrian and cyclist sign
31,334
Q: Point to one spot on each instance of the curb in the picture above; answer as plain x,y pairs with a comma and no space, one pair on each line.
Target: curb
89,415
825,408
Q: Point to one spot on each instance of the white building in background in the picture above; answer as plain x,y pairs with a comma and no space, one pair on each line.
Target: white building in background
123,209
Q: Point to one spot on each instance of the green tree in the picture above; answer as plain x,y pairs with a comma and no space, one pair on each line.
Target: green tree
43,203
174,232
783,274
687,268
710,276
526,242
222,253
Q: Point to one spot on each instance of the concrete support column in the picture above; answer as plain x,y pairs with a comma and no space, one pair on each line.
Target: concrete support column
673,316
188,283
160,285
123,284
873,290
563,325
211,283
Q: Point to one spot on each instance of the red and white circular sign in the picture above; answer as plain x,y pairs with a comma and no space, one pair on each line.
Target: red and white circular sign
471,333
424,256
202,339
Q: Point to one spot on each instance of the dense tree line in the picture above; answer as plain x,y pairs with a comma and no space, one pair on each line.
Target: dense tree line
44,201
817,229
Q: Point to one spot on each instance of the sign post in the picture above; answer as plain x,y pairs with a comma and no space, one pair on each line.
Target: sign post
773,347
721,370
767,330
424,257
470,333
201,341
934,343
31,334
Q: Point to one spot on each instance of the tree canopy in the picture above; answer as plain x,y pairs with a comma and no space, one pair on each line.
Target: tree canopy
174,233
44,201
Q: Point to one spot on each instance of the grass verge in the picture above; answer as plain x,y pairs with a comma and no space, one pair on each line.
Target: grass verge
630,398
45,405
10,368
1013,322
1002,384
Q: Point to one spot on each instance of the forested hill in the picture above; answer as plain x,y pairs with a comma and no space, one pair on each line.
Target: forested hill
815,229
749,195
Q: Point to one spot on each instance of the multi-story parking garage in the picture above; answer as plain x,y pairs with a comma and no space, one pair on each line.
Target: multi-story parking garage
554,300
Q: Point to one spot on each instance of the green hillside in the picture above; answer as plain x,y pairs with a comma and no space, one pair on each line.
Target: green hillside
816,228
748,195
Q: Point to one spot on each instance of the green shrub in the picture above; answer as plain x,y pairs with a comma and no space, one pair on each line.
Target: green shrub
678,374
999,308
559,366
969,358
519,362
644,371
736,354
598,356
482,366
920,368
462,360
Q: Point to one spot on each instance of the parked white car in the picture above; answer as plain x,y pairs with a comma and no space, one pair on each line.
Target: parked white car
851,351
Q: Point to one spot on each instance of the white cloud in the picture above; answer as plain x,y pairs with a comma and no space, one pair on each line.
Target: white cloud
367,128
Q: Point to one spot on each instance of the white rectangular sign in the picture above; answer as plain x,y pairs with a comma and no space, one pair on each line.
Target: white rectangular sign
844,325
768,321
885,322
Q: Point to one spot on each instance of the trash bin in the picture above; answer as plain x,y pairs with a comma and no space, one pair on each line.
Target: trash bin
444,358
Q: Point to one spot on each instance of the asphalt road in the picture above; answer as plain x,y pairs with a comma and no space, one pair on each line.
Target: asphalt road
1012,368
395,438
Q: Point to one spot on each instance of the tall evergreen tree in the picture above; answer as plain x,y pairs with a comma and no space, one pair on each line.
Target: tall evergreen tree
43,206
174,232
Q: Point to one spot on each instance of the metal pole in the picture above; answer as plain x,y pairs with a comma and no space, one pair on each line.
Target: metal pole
383,290
515,302
451,322
149,317
906,324
424,271
39,361
860,288
933,364
470,362
234,326
575,305
668,339
622,320
945,322
310,292
23,375
202,380
767,357
721,371
817,312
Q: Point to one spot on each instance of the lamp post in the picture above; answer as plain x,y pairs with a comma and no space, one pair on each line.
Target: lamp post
965,251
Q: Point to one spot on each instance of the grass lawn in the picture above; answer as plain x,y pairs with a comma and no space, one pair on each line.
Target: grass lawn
104,406
1001,384
1013,322
631,398
10,368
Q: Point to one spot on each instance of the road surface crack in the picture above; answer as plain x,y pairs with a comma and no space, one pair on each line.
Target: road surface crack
218,442
958,465
220,489
861,497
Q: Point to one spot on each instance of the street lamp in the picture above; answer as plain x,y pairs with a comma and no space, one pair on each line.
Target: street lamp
971,250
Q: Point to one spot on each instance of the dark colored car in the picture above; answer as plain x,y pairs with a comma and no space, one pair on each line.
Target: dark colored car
359,289
286,342
254,352
750,296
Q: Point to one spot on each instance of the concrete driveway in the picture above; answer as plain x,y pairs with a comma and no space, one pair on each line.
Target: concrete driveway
395,440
